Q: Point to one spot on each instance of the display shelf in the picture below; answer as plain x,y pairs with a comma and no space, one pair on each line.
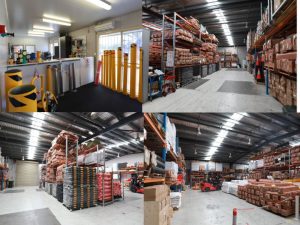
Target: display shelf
278,26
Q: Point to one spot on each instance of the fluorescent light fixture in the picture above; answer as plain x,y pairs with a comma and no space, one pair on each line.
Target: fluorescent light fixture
225,26
208,158
223,133
216,144
44,31
229,124
43,28
63,19
101,4
294,143
36,32
36,35
212,151
36,124
84,137
31,152
237,116
56,22
34,133
39,115
91,133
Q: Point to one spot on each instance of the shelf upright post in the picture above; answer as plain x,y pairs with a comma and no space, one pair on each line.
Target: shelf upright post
77,146
290,163
163,44
164,150
174,43
66,151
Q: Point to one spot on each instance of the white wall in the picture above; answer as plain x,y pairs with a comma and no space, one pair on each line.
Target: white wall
41,43
240,51
126,22
3,41
130,159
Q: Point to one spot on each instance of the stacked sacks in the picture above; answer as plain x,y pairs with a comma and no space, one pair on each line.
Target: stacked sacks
60,192
104,182
79,187
117,189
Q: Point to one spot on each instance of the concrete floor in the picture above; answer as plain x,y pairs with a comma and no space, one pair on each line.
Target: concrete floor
206,98
127,212
215,208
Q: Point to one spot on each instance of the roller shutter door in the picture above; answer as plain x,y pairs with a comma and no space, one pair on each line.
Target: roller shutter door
27,173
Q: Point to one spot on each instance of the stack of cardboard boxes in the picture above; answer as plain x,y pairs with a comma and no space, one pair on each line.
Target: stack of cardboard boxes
280,55
275,196
157,206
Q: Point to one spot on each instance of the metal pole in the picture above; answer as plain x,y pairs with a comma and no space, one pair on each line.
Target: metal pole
77,146
66,151
234,220
297,208
162,46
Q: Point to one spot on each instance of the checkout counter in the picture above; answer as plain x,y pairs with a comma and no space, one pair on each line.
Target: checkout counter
83,74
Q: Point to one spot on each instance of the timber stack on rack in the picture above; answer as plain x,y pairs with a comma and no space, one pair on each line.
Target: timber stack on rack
157,205
275,196
276,38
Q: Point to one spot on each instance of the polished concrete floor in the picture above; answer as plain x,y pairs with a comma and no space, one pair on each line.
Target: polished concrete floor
215,208
226,91
127,212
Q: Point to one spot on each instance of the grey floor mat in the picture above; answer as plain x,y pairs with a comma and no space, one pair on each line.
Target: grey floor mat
13,191
196,84
240,87
235,69
34,217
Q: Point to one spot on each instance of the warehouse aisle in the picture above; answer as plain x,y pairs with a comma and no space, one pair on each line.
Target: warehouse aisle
129,211
225,91
216,208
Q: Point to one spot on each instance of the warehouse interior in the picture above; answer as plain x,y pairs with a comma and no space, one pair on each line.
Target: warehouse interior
221,55
71,168
222,168
83,56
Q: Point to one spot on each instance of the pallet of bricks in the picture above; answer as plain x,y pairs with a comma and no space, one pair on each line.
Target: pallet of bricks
155,48
157,205
80,189
280,56
275,196
56,158
295,156
227,59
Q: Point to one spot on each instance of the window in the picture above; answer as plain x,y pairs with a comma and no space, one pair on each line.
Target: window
109,42
124,40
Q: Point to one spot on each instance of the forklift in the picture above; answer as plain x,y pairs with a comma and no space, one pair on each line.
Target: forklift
212,183
137,184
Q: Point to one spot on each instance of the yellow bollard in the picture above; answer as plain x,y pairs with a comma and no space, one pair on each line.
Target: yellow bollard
49,80
109,69
125,74
13,78
105,68
140,97
114,70
22,99
133,71
119,70
101,70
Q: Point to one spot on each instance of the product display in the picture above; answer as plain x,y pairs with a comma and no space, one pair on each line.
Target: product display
79,187
105,186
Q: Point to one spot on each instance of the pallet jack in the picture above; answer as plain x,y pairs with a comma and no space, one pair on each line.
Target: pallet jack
137,184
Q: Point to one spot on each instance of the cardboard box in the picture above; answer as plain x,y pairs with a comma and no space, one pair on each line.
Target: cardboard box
156,193
155,216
